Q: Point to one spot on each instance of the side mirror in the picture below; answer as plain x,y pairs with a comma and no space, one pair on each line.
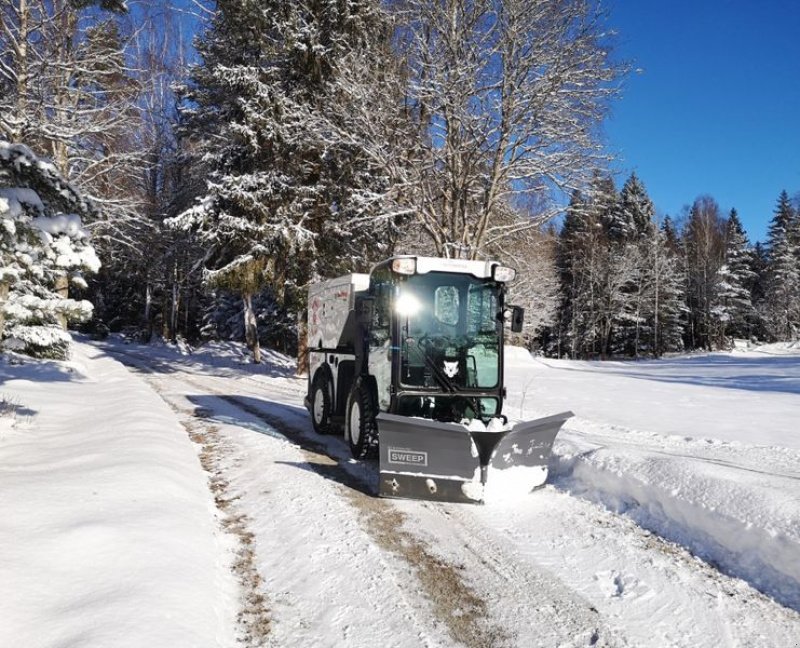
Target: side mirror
517,319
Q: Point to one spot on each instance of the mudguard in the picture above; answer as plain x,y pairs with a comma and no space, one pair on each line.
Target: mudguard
425,459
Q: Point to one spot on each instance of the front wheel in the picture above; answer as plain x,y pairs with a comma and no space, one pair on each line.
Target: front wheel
360,427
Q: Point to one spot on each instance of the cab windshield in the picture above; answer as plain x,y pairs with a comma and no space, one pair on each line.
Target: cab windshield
449,332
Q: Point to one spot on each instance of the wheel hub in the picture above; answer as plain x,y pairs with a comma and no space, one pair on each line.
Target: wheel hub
319,405
355,423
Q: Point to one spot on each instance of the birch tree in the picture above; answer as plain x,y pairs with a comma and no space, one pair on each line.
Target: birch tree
704,243
507,96
68,94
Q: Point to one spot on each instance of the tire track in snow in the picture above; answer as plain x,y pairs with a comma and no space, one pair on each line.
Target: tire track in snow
632,439
499,560
453,602
254,617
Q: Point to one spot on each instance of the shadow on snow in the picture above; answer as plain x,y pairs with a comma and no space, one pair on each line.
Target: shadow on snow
327,456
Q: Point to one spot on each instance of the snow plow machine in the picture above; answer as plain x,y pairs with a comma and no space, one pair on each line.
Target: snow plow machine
407,361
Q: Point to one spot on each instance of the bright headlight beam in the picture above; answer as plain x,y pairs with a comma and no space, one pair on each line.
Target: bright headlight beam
407,305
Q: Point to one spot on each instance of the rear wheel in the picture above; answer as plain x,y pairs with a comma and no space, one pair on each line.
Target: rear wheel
360,427
321,402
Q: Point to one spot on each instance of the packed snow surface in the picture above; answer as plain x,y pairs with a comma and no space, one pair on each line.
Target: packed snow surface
670,516
107,533
704,450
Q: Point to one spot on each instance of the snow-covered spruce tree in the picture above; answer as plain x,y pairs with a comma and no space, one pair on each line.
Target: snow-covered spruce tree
735,309
291,194
617,262
632,235
636,209
621,278
43,248
781,305
582,264
666,296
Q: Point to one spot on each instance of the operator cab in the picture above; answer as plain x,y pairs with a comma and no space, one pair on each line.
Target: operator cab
435,345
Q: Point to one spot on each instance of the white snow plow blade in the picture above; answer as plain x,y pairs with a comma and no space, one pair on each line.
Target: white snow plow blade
424,459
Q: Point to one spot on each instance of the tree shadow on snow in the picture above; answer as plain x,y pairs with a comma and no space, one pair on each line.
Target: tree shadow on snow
773,374
35,370
327,456
209,359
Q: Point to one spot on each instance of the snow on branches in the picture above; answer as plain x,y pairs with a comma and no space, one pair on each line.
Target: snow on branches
43,249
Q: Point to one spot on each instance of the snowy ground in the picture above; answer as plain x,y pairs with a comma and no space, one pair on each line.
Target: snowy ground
672,516
108,534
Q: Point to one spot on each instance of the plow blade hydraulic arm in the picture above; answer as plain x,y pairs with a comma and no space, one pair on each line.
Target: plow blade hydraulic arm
425,459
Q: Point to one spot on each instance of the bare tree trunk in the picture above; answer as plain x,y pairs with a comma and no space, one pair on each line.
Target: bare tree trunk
148,307
656,323
251,327
22,61
173,315
62,288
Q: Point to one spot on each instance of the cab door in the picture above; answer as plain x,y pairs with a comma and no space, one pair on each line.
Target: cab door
379,344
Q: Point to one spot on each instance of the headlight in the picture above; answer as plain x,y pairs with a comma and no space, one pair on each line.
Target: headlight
503,273
407,305
407,266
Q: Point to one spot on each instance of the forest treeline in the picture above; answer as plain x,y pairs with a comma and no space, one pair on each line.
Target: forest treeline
231,152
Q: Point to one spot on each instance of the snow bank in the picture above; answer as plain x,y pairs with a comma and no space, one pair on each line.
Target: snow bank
702,450
518,356
108,535
744,523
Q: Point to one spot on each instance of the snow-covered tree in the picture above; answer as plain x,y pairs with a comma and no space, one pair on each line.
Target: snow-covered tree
636,211
67,93
631,233
582,264
781,306
43,249
532,252
507,96
666,296
289,187
147,284
735,307
704,245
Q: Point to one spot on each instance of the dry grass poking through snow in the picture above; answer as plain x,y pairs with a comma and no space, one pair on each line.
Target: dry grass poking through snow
254,617
454,602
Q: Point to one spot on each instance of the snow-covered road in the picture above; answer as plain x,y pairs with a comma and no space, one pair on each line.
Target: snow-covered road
657,528
581,562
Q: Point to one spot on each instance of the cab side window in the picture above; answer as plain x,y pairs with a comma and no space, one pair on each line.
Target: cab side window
383,288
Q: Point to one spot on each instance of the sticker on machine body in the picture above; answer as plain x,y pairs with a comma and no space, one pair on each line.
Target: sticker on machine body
406,457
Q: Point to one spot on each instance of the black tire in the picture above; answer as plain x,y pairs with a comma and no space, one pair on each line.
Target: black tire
360,427
322,402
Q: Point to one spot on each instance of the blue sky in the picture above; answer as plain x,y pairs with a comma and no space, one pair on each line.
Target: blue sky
716,107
